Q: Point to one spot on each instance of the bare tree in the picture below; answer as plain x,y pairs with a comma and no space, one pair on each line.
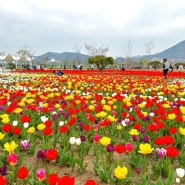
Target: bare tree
2,53
128,51
94,50
1,57
149,46
26,51
77,49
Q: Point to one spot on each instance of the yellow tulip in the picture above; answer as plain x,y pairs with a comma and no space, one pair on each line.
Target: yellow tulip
134,132
41,126
119,127
45,105
4,116
112,118
141,105
145,113
166,105
21,104
107,107
171,116
5,120
182,109
57,106
121,172
91,107
105,141
103,114
182,131
17,110
10,147
31,130
145,148
30,101
1,135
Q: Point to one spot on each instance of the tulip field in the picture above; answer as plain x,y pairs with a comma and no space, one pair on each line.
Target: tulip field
91,128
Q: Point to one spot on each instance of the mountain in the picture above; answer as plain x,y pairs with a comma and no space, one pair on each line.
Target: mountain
174,53
65,56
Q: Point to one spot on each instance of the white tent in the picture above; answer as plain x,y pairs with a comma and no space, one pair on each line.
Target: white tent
54,62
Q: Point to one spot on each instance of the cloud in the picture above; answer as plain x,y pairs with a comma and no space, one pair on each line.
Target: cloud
56,25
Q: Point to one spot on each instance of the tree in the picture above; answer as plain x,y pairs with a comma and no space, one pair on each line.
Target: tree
26,53
156,64
143,63
148,47
77,49
8,58
2,53
101,61
1,57
94,50
128,51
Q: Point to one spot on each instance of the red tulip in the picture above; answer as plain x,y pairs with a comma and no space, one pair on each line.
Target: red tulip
16,130
7,127
63,129
2,180
172,152
172,130
66,180
87,127
51,154
119,148
52,179
25,118
22,173
47,131
90,182
48,123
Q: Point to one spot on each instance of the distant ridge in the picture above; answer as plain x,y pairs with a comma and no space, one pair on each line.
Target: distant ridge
175,53
65,56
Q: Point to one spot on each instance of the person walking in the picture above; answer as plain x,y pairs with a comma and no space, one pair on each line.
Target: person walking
166,66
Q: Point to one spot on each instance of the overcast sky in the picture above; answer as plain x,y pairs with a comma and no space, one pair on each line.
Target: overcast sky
66,25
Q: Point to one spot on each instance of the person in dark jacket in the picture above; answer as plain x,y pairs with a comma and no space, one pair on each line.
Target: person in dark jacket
166,66
58,73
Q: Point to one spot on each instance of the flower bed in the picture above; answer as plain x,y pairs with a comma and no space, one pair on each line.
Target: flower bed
92,129
106,71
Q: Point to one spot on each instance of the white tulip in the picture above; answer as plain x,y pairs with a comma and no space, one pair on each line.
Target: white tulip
177,180
15,123
72,140
130,110
26,125
123,123
43,118
61,123
78,141
180,172
151,114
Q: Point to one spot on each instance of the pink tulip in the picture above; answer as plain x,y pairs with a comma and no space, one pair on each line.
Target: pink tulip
95,127
96,138
12,159
40,174
128,147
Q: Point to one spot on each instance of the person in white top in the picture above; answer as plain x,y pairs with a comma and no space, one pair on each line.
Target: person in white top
166,66
180,68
